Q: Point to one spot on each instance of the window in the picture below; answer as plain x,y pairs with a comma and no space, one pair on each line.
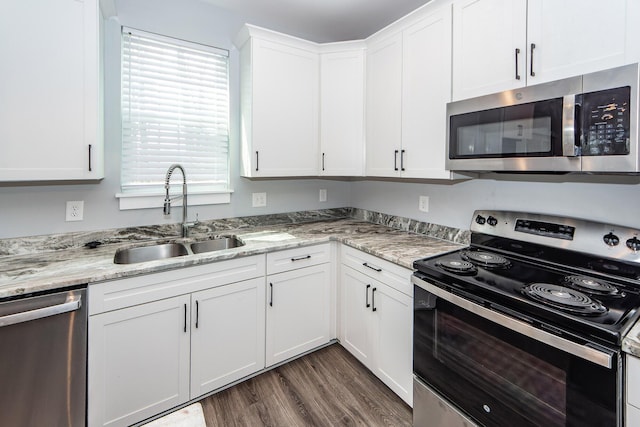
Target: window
175,109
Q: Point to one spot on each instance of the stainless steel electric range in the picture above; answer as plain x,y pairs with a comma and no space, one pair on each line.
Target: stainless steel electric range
524,326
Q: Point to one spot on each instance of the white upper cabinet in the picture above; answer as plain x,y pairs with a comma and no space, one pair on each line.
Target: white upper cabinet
342,109
572,37
489,46
505,44
49,91
384,105
426,89
279,104
408,87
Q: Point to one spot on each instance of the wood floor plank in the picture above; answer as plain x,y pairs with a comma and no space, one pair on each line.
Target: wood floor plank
326,388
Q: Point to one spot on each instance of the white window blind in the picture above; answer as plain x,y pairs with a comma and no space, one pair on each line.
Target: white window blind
175,109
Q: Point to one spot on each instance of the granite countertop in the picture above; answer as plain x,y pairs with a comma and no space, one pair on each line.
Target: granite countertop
32,272
631,342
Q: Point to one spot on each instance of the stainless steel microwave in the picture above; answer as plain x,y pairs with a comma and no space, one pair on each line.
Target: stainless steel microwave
587,123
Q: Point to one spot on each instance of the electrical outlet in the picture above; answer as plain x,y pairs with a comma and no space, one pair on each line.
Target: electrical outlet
75,210
323,195
259,200
423,204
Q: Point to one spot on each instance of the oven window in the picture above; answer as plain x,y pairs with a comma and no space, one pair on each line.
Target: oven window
513,375
516,131
501,377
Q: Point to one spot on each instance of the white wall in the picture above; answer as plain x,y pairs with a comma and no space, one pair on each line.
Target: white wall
611,199
40,209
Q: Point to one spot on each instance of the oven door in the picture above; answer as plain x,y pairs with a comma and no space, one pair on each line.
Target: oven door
501,372
527,129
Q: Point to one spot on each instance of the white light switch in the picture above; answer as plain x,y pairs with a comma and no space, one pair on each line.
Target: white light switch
323,195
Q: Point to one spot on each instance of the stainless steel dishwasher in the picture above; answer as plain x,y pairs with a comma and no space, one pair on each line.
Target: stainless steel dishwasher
43,359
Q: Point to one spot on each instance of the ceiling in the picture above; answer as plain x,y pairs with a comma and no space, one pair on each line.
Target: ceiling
321,20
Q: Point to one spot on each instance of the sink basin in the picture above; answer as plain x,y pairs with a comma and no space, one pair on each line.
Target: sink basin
215,245
149,253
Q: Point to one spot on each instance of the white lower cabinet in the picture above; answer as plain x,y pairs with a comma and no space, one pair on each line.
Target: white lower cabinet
298,303
159,340
377,320
227,334
138,361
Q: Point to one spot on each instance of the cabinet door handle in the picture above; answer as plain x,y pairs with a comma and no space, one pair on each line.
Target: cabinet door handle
271,295
197,313
322,161
366,296
373,299
401,160
395,160
300,258
257,159
533,74
89,157
517,66
371,267
185,317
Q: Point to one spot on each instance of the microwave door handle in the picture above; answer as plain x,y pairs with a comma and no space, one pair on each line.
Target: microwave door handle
569,126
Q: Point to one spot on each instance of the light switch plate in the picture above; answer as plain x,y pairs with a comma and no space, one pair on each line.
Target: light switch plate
423,204
323,195
259,200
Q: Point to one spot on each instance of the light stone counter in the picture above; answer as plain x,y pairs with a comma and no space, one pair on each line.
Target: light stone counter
66,262
631,342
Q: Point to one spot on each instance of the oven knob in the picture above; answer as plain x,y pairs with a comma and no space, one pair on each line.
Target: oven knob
611,239
480,220
492,221
633,244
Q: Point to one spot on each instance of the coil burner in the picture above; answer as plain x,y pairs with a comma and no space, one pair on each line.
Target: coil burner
593,286
457,266
486,259
565,299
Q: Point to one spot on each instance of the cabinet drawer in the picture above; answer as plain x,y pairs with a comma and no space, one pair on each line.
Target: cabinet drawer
633,381
116,294
292,259
386,272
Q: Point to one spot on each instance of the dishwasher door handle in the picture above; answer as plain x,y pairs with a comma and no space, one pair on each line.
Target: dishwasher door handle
73,302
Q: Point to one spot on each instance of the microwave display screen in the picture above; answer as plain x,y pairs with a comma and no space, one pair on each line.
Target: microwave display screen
607,122
514,131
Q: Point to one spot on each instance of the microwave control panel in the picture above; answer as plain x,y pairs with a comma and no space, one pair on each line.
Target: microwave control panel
606,122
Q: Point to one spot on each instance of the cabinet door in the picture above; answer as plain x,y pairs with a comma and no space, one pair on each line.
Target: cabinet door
573,37
284,110
227,334
297,312
393,339
356,334
383,106
138,362
49,90
426,89
342,113
486,34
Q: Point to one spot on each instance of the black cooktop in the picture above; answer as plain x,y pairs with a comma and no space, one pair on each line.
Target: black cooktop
558,290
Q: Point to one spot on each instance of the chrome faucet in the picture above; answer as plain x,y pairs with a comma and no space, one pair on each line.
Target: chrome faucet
167,199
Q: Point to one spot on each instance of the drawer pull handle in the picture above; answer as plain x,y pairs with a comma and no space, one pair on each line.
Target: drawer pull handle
185,317
366,293
271,295
300,258
373,299
371,267
197,313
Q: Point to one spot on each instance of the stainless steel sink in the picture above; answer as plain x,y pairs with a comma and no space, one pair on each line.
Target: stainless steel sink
217,244
149,253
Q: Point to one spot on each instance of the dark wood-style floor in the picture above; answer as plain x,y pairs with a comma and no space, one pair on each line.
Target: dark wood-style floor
326,388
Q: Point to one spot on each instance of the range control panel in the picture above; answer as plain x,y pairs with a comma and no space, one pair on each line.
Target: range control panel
595,238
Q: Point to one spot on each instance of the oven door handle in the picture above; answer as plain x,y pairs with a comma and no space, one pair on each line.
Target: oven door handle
590,354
